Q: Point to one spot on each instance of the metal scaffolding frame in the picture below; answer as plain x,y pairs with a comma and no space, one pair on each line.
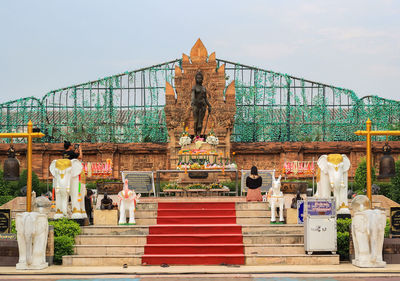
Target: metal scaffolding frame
128,107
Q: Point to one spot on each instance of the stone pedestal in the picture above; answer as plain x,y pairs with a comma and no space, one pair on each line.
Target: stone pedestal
105,217
8,250
291,216
391,250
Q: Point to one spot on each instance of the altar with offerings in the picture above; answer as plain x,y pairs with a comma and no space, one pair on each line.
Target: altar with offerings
203,154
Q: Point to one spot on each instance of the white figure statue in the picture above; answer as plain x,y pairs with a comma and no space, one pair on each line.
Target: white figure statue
127,200
32,230
332,176
68,180
275,199
368,230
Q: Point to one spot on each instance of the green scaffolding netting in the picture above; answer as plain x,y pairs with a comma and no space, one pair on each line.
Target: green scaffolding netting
128,107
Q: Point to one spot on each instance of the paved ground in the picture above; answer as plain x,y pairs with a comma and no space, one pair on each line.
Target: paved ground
202,278
345,272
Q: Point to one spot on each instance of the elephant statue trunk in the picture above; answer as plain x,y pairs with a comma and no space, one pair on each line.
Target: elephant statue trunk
28,240
336,176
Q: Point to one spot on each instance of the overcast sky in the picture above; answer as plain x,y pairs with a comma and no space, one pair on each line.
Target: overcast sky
47,45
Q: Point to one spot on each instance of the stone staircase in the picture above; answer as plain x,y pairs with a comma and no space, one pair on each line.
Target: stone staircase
263,243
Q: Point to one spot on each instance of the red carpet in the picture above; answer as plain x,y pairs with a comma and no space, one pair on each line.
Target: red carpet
195,233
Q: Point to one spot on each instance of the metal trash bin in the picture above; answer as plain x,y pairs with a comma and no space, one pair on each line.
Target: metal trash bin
320,234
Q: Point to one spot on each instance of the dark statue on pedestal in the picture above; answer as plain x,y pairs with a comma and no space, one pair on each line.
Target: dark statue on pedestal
295,199
199,102
106,203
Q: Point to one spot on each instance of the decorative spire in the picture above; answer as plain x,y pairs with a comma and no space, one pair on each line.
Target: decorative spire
198,53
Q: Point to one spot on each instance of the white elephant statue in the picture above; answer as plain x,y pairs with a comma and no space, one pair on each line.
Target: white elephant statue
68,180
333,176
368,230
32,230
127,200
275,199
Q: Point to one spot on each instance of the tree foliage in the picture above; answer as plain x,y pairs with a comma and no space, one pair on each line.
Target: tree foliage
360,178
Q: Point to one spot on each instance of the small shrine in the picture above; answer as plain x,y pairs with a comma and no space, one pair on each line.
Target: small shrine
200,135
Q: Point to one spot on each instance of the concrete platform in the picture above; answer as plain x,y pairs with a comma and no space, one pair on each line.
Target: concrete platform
343,269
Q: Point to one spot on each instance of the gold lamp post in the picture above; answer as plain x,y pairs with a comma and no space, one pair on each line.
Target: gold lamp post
370,133
28,135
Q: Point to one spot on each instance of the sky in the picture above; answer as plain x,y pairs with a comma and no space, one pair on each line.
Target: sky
50,44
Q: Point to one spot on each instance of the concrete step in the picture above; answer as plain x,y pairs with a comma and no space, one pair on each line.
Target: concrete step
254,249
145,214
252,213
273,229
274,249
250,239
119,260
109,250
239,220
239,213
146,206
144,229
115,230
252,206
110,240
146,221
102,260
292,259
253,220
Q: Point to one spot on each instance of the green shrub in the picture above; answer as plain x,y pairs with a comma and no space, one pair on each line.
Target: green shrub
343,225
63,246
13,187
5,198
108,180
43,188
13,228
343,239
392,189
6,187
23,177
65,231
231,185
215,185
170,186
385,188
91,185
387,228
396,184
195,186
65,227
360,178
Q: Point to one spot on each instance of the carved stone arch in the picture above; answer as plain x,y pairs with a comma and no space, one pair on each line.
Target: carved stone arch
179,111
